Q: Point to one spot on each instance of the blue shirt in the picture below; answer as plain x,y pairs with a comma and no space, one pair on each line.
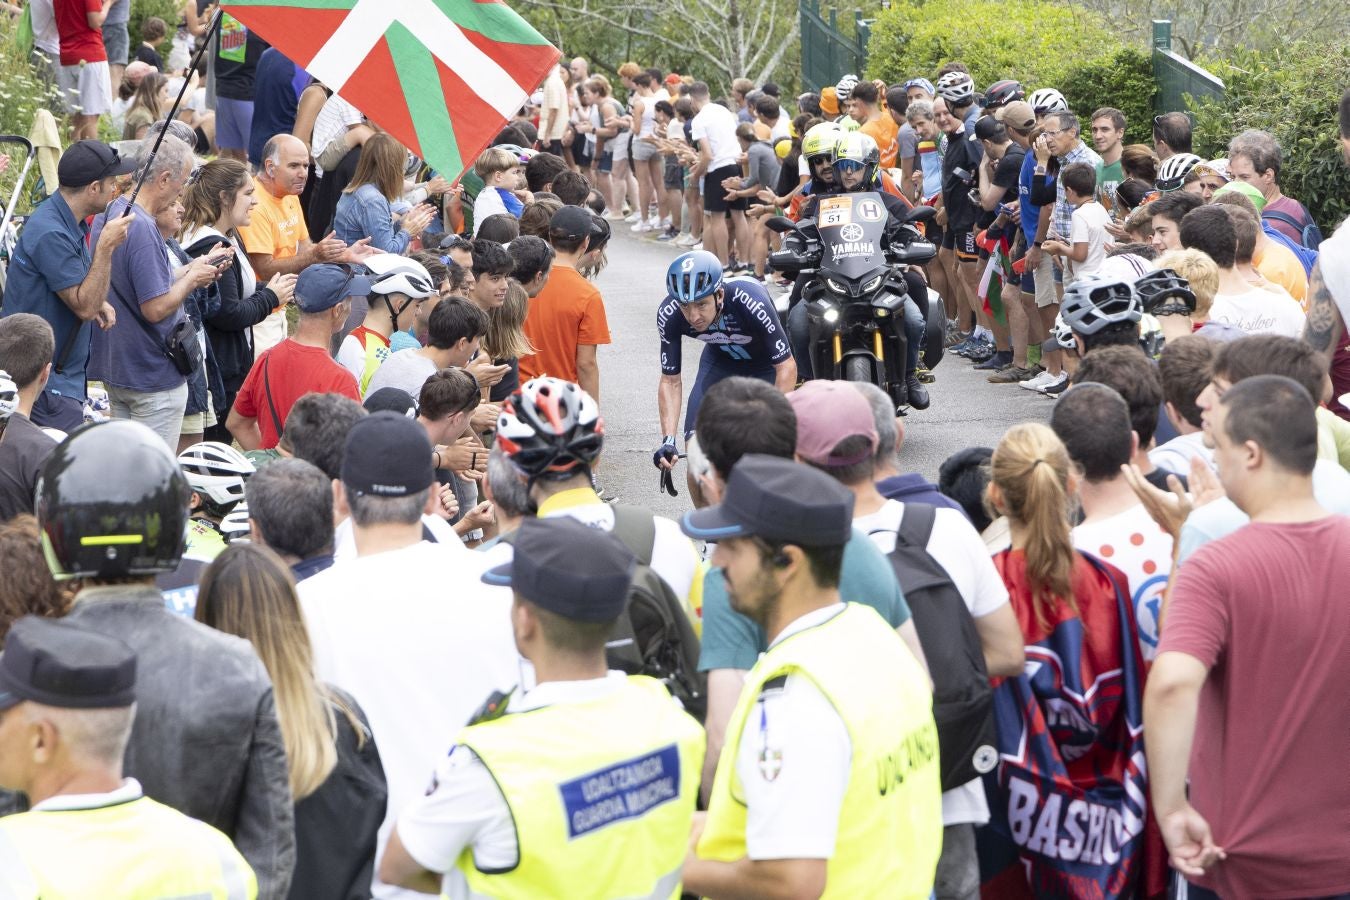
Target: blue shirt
277,85
1029,212
746,335
912,488
127,355
731,641
365,213
53,254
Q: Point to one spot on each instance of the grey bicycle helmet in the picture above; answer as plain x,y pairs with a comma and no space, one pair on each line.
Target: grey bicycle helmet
1091,304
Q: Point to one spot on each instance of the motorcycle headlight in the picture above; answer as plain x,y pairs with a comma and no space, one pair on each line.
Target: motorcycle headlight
831,315
836,286
872,285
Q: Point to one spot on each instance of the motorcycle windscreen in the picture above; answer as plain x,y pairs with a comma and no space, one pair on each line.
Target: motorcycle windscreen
851,231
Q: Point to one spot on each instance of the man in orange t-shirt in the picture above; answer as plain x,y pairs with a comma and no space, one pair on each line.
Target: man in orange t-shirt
566,321
865,108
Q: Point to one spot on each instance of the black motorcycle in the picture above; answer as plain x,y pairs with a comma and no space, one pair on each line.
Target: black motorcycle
856,291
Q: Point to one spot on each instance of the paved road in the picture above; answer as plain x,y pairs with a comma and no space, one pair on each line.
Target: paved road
966,410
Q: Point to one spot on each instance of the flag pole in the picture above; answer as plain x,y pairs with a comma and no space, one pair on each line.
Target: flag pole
173,110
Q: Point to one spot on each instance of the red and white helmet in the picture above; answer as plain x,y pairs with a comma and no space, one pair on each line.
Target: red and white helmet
550,428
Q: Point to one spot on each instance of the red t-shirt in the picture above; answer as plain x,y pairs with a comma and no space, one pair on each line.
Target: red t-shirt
289,370
566,314
79,42
1265,608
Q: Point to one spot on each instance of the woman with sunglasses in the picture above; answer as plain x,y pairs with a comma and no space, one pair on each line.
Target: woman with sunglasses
219,199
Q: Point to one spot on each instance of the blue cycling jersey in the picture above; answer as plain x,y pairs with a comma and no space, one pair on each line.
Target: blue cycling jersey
747,335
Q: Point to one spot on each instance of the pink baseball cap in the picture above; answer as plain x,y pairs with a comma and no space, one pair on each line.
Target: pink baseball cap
136,70
829,412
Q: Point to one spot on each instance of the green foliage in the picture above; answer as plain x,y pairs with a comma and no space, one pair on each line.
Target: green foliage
22,94
1124,80
995,38
141,10
1292,92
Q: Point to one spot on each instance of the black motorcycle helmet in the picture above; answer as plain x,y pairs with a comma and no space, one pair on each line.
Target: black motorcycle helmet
112,501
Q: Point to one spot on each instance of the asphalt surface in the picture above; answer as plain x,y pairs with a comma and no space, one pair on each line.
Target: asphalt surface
966,410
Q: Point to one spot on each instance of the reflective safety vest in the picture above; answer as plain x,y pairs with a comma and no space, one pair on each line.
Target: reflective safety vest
602,794
204,541
890,823
136,850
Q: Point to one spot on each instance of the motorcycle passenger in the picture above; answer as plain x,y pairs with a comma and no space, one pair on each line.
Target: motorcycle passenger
736,321
856,159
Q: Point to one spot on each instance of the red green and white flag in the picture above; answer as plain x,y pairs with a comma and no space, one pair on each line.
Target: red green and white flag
441,76
997,274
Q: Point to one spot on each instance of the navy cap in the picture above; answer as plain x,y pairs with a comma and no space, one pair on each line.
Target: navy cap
325,285
85,162
778,500
391,399
568,568
572,223
387,455
58,663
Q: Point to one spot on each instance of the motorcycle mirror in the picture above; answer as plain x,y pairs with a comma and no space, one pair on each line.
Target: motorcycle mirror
780,224
921,214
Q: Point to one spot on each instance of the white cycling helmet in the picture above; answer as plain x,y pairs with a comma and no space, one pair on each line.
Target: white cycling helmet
216,472
844,89
1047,100
957,88
1173,171
9,396
235,525
394,274
1062,333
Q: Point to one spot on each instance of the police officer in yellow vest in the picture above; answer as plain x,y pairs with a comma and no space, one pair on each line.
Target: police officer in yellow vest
66,708
829,780
583,787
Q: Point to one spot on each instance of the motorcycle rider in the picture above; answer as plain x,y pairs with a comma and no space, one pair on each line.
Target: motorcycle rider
856,158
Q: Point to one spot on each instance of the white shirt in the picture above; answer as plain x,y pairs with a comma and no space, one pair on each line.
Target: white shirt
1135,544
465,808
45,36
1176,455
344,537
335,117
956,546
487,203
782,129
1088,227
793,763
420,642
1333,260
406,370
1260,311
716,124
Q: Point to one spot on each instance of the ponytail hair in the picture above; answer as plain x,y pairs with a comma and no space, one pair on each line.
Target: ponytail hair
1031,468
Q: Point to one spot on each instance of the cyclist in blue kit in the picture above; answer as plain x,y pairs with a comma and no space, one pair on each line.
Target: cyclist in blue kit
735,318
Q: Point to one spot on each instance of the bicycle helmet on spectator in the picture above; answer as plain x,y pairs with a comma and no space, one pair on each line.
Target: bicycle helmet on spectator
551,429
857,149
9,396
820,139
112,501
923,83
234,527
1173,171
1047,100
957,88
1001,93
1091,304
393,274
1062,333
1163,292
693,276
844,89
216,472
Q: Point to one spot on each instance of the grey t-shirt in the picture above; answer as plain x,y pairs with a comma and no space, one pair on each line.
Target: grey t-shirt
908,142
406,370
126,355
119,12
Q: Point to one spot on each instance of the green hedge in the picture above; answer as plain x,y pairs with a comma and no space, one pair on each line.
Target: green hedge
1292,92
1068,48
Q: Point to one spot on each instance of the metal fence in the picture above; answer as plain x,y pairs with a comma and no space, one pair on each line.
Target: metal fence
827,53
1177,76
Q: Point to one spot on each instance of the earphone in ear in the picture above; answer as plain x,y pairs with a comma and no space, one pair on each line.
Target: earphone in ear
782,560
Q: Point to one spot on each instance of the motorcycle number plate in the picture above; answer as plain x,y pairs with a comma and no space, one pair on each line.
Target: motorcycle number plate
835,211
871,210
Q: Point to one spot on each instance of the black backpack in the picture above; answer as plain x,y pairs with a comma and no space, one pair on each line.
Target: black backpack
653,637
963,701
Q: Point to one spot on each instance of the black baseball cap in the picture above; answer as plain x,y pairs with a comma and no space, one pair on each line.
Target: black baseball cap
568,568
391,399
986,127
58,663
778,500
85,162
572,223
388,455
